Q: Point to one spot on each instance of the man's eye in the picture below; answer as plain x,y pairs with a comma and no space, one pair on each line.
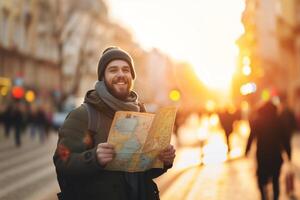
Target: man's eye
126,70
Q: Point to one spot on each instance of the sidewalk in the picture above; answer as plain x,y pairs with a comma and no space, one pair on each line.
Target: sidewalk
232,180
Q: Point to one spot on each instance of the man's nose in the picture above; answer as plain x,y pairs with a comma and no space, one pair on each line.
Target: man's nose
120,73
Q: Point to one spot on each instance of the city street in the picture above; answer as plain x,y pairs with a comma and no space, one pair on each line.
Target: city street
241,69
28,173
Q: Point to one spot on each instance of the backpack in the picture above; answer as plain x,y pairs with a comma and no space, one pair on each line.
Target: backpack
93,118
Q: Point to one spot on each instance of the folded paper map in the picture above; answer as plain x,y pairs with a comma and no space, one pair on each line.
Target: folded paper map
139,137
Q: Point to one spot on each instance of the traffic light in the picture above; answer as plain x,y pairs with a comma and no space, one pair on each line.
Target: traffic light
18,92
30,96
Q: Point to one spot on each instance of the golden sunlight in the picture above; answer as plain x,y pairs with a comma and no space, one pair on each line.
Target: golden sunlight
216,71
204,33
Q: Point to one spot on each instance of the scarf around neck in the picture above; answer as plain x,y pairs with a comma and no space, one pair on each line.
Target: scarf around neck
130,104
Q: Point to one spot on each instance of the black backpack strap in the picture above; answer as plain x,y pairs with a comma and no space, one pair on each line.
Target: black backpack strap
93,117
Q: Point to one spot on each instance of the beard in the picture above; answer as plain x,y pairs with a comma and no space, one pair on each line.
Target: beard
119,91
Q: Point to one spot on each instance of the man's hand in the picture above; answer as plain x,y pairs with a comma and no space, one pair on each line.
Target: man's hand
105,153
167,155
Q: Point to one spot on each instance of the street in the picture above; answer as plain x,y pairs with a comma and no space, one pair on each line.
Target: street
28,173
241,69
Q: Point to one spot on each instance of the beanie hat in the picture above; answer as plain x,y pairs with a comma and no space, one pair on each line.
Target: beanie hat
114,53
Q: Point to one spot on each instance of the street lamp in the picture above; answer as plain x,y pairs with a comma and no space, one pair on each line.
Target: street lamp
174,95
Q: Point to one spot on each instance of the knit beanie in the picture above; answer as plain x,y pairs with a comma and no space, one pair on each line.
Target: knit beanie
114,53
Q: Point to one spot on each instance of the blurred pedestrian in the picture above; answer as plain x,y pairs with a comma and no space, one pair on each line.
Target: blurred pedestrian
38,123
17,122
227,120
289,122
7,119
81,156
179,121
267,129
2,109
48,121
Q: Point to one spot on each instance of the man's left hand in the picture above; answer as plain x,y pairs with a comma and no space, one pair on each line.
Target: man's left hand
167,155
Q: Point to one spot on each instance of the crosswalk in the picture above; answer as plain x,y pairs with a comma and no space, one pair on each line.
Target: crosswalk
27,172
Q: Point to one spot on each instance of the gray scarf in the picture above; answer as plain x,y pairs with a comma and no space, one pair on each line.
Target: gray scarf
130,104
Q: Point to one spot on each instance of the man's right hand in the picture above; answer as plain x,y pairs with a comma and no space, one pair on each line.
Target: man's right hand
105,153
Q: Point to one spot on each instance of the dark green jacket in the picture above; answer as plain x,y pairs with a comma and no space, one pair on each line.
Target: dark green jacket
78,172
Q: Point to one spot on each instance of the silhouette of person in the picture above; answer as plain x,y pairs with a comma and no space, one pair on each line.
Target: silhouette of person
226,120
7,119
289,122
17,121
267,129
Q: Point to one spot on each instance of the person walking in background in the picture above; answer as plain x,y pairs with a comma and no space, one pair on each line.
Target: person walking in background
17,117
289,122
81,155
226,120
267,129
38,122
179,121
7,119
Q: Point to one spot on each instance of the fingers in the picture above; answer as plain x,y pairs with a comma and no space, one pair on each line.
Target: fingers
168,148
169,151
105,148
167,155
106,145
105,153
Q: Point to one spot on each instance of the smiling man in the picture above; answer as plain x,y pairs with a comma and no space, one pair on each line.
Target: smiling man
118,78
82,154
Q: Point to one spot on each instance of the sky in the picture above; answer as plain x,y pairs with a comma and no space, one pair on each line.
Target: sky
201,32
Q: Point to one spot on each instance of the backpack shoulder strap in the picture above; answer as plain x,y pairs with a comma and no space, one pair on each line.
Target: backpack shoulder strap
142,107
93,117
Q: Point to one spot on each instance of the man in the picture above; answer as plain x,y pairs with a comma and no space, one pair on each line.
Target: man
270,144
226,120
289,122
81,155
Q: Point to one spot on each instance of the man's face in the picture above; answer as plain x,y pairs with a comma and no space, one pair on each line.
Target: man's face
118,79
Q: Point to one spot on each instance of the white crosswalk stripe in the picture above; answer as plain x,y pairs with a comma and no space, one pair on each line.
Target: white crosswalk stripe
27,172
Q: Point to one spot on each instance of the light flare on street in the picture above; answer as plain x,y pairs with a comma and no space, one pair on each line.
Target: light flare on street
206,133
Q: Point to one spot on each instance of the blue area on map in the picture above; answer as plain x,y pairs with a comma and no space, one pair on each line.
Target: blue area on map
127,125
123,156
131,145
127,151
145,161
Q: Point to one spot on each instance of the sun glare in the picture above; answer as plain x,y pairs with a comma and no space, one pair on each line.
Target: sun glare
198,31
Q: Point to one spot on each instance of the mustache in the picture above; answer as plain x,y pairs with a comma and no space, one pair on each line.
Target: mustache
119,79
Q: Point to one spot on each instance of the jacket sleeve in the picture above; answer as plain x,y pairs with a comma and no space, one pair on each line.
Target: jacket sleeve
75,155
156,172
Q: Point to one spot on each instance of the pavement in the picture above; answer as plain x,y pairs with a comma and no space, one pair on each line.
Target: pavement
27,173
233,179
